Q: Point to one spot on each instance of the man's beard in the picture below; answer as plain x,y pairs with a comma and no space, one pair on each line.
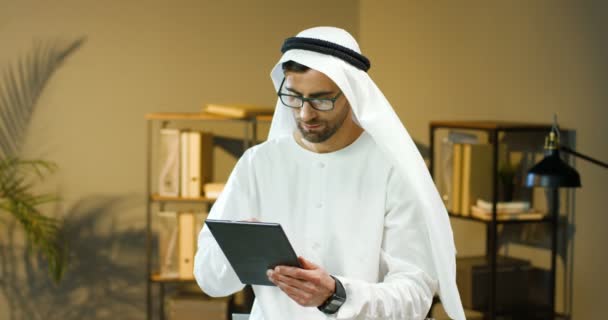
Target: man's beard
317,136
328,131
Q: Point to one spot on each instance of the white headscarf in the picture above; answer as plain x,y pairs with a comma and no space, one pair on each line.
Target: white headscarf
376,116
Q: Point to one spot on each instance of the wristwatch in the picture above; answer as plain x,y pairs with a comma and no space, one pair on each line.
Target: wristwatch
335,301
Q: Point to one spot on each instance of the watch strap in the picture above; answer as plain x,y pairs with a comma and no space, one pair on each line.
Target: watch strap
335,301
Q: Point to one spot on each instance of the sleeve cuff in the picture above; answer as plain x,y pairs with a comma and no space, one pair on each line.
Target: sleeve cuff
350,308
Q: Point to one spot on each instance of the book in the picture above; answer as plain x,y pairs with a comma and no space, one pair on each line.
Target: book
238,111
500,216
445,161
456,179
476,175
505,207
168,180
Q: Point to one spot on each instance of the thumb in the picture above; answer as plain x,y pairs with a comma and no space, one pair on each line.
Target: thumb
307,264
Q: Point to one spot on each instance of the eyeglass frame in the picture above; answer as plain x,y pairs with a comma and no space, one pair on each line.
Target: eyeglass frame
303,99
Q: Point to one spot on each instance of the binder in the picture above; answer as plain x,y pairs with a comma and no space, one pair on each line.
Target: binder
168,244
189,225
184,166
168,182
186,245
200,161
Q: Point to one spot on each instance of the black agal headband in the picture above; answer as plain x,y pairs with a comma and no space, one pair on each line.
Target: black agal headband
354,58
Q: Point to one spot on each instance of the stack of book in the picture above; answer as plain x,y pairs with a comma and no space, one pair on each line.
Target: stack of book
238,111
514,210
186,162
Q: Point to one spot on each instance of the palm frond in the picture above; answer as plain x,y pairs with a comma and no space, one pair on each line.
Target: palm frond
16,180
21,86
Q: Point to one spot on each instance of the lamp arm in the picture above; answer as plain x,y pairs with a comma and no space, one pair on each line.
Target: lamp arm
576,154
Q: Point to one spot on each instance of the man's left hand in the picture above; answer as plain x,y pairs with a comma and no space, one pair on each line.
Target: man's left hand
309,286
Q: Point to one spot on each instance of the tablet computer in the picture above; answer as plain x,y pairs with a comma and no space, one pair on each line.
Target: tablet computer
253,247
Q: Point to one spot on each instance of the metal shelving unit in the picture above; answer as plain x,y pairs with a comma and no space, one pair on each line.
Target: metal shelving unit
235,147
494,130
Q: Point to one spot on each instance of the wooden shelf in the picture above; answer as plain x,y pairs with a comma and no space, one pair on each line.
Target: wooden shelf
188,116
157,198
155,202
155,277
546,219
492,125
265,118
200,116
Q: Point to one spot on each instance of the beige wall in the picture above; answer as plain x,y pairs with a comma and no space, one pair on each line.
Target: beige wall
519,61
433,61
140,57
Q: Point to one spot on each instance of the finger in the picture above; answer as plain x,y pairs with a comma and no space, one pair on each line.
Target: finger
297,273
315,277
269,274
296,283
275,277
307,264
299,296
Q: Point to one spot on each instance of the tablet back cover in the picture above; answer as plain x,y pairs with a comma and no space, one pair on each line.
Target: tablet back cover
253,247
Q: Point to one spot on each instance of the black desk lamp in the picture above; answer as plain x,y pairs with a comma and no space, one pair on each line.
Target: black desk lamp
553,173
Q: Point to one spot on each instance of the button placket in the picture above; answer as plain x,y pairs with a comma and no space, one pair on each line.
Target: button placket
321,187
317,205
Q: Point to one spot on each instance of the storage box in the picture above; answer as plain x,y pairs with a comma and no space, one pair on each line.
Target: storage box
196,307
473,280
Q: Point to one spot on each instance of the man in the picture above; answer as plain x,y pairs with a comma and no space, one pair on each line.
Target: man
344,179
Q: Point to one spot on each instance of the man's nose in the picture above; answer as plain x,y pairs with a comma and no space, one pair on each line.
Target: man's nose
307,112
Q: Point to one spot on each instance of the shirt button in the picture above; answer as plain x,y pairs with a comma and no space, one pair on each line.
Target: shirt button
321,165
319,205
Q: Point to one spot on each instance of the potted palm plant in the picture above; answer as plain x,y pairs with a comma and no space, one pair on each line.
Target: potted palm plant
21,85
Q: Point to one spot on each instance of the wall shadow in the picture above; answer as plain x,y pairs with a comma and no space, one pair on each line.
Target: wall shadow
105,278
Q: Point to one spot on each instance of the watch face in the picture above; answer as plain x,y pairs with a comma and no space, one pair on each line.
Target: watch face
334,304
337,300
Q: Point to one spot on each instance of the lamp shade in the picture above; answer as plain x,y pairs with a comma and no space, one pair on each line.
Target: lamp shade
553,172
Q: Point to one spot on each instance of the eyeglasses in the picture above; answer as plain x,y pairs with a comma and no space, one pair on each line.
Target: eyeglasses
296,102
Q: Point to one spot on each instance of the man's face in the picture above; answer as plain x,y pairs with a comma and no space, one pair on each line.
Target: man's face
314,125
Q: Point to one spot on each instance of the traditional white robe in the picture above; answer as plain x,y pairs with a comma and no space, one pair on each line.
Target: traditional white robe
347,211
